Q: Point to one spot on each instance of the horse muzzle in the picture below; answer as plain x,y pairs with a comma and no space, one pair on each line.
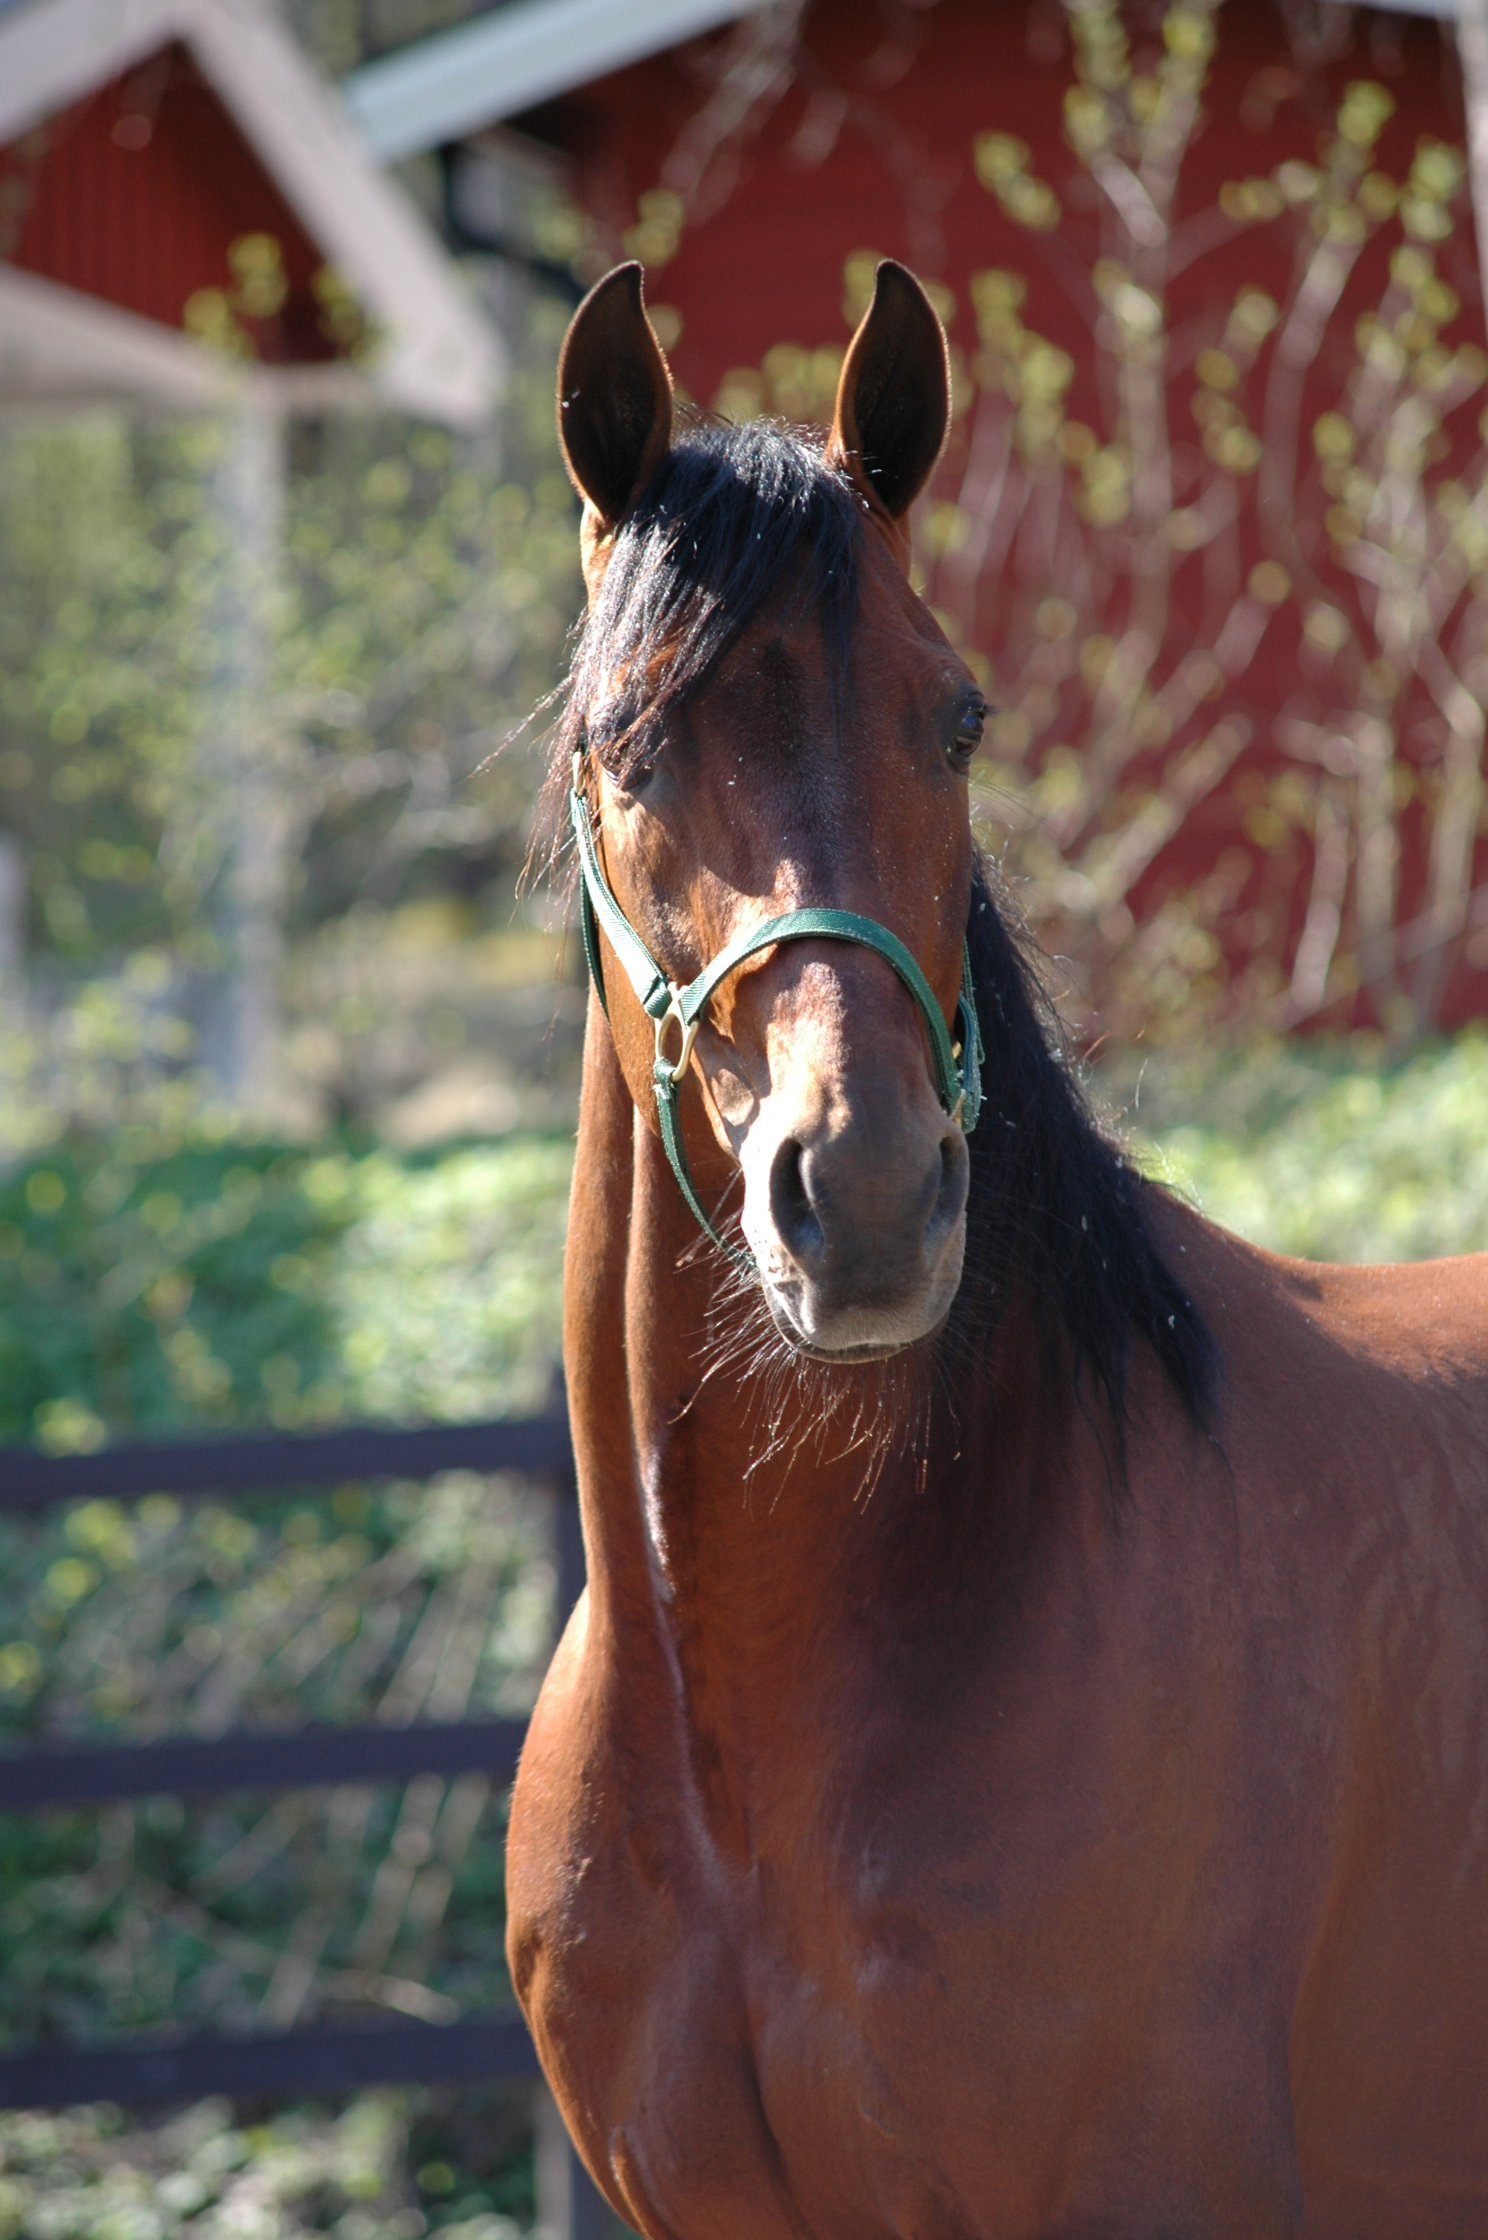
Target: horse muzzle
858,1230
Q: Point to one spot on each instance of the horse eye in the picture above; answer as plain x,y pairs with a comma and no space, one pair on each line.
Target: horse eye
629,760
967,736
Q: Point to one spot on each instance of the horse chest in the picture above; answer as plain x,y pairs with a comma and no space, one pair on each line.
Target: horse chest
755,2078
886,2011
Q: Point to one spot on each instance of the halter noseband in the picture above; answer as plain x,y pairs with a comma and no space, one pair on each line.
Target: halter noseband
958,1065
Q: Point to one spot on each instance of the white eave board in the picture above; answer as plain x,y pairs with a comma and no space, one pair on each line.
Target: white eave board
60,348
510,59
440,356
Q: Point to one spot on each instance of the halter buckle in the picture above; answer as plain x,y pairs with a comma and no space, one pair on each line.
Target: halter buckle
675,1068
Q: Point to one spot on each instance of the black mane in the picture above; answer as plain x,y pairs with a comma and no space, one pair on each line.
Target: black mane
1057,1216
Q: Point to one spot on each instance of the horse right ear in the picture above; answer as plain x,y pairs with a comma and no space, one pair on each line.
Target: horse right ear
614,398
894,398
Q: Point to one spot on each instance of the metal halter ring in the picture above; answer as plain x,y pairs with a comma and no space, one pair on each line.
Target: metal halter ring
689,1035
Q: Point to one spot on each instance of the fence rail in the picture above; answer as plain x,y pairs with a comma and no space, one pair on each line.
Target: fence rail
536,1445
247,1758
279,2062
312,2059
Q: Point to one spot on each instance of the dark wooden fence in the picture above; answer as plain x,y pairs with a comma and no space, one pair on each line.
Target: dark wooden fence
309,2060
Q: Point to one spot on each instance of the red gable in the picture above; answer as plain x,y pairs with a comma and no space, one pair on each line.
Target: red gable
138,194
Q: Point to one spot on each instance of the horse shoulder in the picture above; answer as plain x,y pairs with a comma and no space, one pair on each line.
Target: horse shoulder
1338,1357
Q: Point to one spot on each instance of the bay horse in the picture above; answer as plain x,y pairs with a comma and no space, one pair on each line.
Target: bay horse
1020,1766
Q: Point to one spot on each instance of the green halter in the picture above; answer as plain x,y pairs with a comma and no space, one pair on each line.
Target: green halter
958,1084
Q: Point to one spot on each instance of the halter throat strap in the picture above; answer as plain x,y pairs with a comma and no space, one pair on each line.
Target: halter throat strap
957,1065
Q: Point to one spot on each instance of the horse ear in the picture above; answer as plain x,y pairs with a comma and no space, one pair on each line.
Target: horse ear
894,398
614,397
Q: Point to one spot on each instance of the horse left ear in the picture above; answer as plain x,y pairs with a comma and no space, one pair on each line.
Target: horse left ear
614,398
894,398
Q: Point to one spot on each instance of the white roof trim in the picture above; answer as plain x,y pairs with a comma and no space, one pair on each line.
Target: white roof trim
51,55
508,60
440,356
57,346
444,87
61,348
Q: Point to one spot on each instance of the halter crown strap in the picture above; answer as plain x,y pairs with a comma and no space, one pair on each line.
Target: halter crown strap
958,1084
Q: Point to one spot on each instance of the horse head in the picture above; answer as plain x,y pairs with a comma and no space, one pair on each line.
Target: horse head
765,720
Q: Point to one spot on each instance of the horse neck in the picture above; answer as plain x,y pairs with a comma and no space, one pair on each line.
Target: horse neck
741,1554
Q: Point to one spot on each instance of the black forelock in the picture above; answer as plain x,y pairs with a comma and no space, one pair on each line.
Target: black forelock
735,518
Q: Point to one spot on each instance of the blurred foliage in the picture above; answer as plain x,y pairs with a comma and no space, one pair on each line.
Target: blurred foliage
342,33
390,1602
124,1919
147,1284
446,1289
164,1267
426,1027
429,598
105,563
222,735
425,587
97,1051
1312,1149
387,2166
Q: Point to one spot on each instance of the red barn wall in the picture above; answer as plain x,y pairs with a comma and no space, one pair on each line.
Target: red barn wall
895,173
136,194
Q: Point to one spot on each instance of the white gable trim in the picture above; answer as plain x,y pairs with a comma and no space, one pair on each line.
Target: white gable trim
440,356
450,84
54,51
521,54
60,349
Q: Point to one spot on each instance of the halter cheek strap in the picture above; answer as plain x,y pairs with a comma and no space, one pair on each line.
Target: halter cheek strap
957,1065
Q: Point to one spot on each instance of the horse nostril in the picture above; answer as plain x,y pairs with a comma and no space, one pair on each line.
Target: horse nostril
791,1210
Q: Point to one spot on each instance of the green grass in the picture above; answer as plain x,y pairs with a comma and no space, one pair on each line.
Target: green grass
386,2165
1326,1152
146,1288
